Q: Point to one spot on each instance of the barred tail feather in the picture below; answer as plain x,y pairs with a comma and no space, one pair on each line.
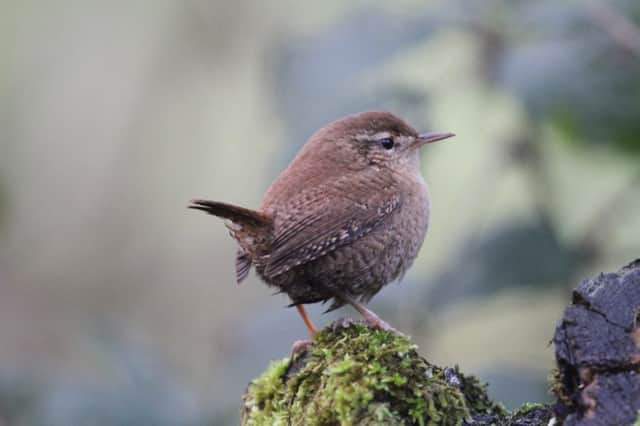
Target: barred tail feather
243,265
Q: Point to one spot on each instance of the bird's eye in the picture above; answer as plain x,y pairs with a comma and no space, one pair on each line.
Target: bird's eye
387,143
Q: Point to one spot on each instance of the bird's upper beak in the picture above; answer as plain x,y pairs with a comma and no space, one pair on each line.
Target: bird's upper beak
425,138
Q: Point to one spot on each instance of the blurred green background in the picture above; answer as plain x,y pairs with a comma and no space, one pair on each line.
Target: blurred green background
118,306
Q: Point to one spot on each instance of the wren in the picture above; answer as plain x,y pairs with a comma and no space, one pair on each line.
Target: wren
346,217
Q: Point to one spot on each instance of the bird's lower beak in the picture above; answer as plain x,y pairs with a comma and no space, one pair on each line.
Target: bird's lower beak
425,138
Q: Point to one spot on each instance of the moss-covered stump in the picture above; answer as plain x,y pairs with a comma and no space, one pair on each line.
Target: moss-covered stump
353,375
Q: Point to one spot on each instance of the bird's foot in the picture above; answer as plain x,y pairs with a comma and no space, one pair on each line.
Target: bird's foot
370,318
375,322
299,347
342,323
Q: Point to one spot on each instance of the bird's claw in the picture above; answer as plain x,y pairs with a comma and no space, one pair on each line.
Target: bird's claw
376,323
372,321
342,323
299,347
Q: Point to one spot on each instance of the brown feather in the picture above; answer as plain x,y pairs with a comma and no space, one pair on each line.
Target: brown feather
247,228
326,217
243,265
231,212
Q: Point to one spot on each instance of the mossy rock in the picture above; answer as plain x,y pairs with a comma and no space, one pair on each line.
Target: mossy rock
353,375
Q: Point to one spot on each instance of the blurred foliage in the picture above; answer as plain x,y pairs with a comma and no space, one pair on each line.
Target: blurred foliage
532,250
114,115
573,73
3,206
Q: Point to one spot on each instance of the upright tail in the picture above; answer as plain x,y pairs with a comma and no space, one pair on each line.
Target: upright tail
248,227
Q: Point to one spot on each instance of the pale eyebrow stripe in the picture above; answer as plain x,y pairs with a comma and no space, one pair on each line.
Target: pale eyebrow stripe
381,135
376,137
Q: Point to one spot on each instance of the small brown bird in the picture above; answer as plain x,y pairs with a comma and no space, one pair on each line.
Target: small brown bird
345,218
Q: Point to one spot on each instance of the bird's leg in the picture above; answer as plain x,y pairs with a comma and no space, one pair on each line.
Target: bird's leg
301,345
307,321
373,320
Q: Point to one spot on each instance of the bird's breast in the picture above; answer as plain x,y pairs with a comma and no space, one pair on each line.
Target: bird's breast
410,225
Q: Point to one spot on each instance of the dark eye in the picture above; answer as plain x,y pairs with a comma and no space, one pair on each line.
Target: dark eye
387,143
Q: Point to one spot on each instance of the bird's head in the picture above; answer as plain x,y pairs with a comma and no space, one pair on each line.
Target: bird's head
373,138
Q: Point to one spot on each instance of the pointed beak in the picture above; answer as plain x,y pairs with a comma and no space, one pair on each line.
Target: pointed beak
425,138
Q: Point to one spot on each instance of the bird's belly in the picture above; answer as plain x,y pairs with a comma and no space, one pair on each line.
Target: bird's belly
363,267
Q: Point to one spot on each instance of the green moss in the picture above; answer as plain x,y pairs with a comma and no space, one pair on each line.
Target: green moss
529,408
355,375
558,389
528,414
263,402
475,394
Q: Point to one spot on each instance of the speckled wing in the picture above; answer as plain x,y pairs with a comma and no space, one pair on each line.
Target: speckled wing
336,218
